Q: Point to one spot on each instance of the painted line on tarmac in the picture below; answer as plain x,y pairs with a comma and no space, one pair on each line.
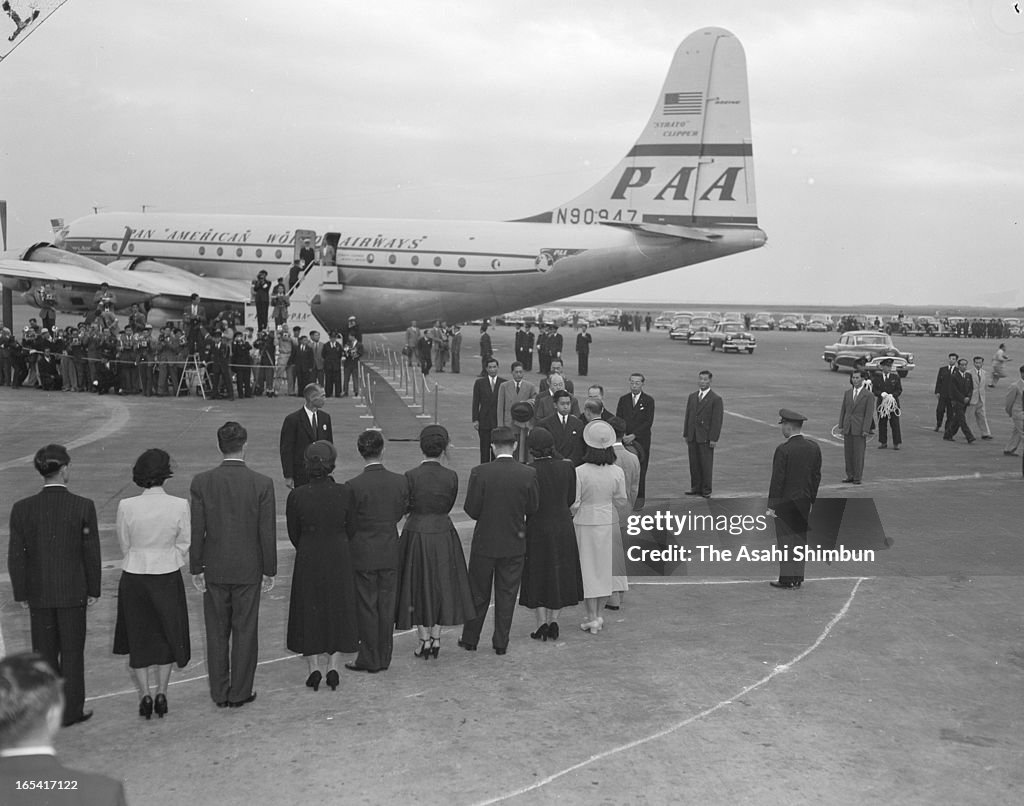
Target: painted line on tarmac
118,419
740,581
780,669
1007,475
775,425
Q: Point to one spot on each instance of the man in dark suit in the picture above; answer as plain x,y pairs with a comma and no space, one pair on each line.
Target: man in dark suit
234,547
30,716
520,345
379,500
305,363
301,429
485,405
961,390
351,355
856,416
565,428
331,355
637,409
486,350
194,317
499,497
261,299
54,562
796,474
702,426
888,383
218,360
942,407
583,342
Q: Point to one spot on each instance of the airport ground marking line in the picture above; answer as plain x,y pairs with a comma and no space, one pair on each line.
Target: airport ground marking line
781,668
118,419
775,425
738,581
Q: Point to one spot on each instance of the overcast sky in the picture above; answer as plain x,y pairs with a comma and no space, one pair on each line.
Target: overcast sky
888,137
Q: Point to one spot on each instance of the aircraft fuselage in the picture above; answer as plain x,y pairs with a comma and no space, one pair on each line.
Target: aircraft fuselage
390,271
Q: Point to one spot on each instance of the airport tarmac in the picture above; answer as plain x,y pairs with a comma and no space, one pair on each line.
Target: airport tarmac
896,681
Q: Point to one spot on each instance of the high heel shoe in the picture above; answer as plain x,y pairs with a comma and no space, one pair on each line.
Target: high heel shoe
435,647
541,634
332,679
313,681
146,707
553,630
160,705
424,650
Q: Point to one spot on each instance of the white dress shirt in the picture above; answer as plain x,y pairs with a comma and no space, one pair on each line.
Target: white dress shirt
154,530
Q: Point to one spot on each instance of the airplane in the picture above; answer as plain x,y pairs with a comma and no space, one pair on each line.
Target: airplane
683,194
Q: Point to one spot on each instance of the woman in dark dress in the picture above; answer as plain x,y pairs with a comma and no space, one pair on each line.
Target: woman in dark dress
434,585
551,574
322,613
154,530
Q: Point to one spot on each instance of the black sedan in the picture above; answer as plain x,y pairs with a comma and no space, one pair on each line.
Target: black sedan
732,336
868,344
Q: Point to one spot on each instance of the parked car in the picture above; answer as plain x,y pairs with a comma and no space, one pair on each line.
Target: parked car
553,316
700,329
1014,325
791,321
869,344
680,328
663,321
762,321
820,323
732,336
925,326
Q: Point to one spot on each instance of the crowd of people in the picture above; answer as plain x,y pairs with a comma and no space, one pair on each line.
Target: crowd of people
214,355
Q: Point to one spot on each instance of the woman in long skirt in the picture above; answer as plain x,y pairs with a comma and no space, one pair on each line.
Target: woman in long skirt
154,530
322,610
551,571
433,589
600,500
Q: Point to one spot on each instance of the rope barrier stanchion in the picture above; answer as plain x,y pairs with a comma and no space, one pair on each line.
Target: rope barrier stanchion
437,387
367,403
423,400
406,373
361,377
413,405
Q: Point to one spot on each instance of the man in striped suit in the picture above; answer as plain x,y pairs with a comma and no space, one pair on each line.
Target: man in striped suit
54,562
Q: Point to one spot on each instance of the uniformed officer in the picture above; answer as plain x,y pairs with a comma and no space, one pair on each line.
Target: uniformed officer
796,474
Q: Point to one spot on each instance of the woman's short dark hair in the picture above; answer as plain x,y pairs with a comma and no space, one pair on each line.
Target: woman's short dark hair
152,468
434,441
319,459
599,456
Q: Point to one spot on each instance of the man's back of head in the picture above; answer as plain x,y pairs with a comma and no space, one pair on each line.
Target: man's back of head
231,438
31,701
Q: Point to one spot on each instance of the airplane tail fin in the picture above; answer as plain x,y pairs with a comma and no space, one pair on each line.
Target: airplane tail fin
692,166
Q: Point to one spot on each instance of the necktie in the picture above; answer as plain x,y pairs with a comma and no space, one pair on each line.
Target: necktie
314,422
517,389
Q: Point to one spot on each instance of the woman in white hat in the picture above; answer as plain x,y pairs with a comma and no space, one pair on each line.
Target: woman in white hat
600,500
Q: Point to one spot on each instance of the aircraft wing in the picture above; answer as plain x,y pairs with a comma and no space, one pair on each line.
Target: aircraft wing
137,279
